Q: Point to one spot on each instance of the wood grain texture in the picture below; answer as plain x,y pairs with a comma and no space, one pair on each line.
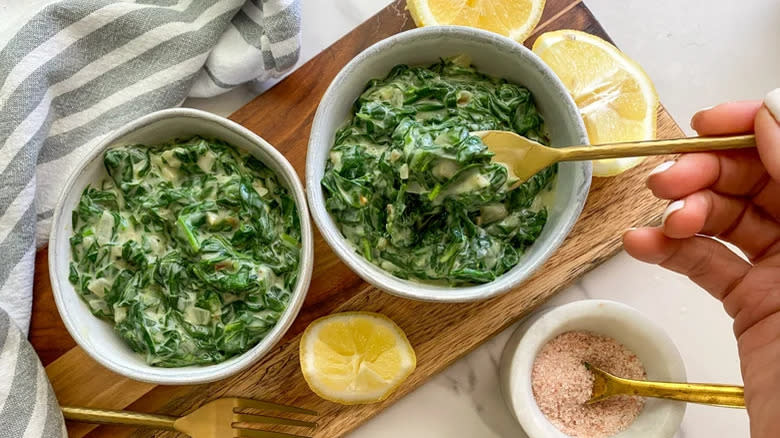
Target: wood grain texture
440,333
47,331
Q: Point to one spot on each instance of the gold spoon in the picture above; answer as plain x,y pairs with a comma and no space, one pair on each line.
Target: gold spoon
525,157
606,385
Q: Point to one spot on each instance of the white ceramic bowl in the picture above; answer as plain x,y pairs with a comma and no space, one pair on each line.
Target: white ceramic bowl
97,337
492,54
662,361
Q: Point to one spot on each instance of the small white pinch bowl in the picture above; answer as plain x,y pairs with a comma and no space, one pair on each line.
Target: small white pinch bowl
96,336
656,350
492,54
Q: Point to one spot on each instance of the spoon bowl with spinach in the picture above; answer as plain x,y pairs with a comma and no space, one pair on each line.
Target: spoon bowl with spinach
409,198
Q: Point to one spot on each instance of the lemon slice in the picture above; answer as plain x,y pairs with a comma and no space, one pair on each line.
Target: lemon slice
513,18
616,98
355,357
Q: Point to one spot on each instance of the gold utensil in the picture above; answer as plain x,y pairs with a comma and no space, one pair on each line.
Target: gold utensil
217,419
606,385
525,157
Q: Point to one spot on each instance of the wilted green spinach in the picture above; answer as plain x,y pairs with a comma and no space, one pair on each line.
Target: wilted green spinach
190,249
416,194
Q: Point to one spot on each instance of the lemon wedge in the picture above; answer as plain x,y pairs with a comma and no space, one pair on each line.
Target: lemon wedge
513,18
616,98
355,357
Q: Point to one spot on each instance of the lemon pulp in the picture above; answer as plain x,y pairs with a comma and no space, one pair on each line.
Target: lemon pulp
513,18
616,98
355,357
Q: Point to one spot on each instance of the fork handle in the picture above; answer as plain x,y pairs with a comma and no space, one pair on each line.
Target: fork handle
656,147
128,418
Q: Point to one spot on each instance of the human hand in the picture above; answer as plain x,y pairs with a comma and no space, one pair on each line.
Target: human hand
735,196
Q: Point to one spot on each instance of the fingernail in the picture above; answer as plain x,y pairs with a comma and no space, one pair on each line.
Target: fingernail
772,102
663,167
674,206
693,119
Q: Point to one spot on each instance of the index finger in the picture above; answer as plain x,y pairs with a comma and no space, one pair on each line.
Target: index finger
733,173
727,118
729,172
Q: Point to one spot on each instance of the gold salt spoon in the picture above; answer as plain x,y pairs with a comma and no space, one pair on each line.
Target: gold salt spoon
525,157
606,385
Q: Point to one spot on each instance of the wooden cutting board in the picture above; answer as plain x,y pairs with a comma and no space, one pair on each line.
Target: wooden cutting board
440,333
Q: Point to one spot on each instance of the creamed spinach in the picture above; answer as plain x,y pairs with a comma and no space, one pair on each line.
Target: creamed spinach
190,249
416,194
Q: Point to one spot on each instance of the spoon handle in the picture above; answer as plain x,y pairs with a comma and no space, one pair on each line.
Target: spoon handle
656,147
708,394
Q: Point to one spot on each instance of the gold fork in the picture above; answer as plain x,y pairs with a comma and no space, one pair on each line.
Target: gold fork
525,157
217,419
606,385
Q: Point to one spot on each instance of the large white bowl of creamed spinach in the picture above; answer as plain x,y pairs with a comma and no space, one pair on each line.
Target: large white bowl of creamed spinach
409,198
181,250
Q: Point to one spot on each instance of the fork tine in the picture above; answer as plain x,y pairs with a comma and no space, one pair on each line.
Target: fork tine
257,404
249,433
252,418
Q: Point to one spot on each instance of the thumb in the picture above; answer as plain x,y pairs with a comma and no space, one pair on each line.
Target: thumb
767,127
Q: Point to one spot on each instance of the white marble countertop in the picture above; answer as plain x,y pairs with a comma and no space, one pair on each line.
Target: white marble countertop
698,52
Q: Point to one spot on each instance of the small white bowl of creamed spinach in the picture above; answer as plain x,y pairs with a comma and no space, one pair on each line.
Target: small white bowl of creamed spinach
181,250
409,198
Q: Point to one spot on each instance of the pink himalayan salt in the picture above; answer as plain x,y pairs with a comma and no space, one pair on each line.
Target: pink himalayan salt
561,384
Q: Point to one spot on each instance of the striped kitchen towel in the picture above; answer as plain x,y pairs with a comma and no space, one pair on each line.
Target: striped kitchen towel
28,408
69,76
79,69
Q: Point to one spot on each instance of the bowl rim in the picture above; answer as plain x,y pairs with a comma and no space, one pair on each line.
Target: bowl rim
377,276
204,373
526,341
